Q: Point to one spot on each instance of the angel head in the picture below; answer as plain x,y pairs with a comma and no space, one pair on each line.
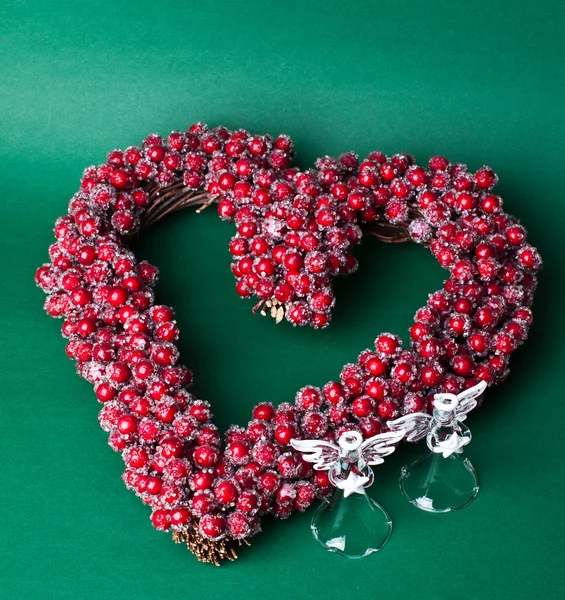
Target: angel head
349,443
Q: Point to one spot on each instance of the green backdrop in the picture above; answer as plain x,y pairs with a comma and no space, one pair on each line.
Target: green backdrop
477,81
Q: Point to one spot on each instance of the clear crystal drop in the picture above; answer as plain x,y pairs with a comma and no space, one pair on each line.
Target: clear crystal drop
437,484
353,526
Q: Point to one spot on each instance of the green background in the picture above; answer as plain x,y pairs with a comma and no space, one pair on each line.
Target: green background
477,81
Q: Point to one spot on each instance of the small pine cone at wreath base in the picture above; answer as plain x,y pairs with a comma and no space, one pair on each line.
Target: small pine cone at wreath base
295,232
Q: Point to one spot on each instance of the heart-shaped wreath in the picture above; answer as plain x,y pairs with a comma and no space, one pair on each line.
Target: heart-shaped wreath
295,232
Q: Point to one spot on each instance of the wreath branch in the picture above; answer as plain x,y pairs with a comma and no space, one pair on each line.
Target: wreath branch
171,199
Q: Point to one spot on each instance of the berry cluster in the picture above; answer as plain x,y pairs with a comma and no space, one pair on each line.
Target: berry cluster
295,231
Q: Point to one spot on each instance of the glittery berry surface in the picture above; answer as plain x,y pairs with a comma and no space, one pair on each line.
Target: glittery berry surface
295,231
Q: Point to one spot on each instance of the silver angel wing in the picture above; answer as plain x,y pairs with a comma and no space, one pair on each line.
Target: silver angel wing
464,402
468,400
416,425
374,449
322,454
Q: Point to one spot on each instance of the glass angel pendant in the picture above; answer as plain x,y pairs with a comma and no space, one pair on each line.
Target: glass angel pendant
441,480
350,523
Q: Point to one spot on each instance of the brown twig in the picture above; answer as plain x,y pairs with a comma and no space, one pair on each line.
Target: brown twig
207,550
393,233
390,234
170,199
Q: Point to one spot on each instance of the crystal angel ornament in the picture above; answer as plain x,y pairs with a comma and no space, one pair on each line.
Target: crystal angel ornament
441,480
350,523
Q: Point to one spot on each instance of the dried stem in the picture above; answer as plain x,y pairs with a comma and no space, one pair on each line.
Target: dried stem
390,234
207,550
271,307
170,199
394,233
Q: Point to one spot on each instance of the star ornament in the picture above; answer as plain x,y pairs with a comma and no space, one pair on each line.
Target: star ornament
453,444
354,484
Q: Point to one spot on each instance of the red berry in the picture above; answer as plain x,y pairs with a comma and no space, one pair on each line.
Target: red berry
463,365
206,456
376,366
284,433
137,457
485,178
248,502
363,406
376,388
161,519
213,526
155,153
298,314
117,296
264,412
431,375
120,179
314,424
203,480
180,517
370,426
387,344
479,342
387,410
105,392
225,492
127,424
238,451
